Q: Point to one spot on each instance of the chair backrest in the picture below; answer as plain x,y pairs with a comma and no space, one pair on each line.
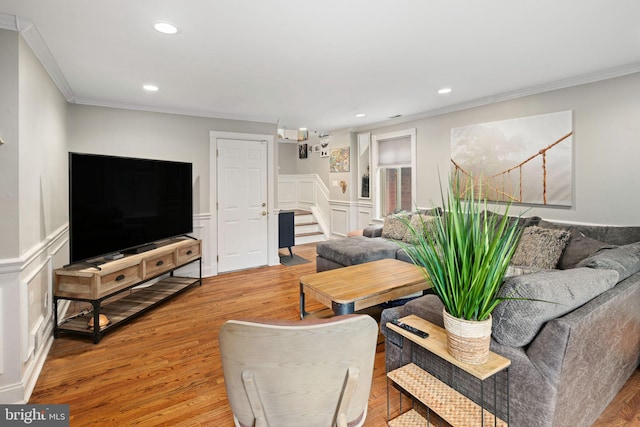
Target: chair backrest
304,373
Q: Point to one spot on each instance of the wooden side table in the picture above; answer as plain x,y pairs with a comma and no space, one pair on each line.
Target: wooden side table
438,382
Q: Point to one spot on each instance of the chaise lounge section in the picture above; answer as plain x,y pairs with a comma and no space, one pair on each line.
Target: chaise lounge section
376,242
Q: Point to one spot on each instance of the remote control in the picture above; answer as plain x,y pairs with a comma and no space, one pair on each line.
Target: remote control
408,328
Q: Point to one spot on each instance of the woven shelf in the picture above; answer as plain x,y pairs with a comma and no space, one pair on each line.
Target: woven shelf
453,407
409,419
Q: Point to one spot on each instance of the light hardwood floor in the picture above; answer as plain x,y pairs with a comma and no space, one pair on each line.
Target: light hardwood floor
164,367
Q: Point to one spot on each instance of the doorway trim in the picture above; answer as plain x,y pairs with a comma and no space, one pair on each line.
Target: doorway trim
272,223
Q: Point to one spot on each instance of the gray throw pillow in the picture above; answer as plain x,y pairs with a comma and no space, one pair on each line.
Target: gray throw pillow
623,259
579,248
540,247
516,322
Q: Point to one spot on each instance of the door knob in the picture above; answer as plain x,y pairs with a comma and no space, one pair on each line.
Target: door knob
264,213
264,204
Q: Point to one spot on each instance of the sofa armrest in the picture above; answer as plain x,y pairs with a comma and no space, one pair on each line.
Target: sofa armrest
372,231
590,353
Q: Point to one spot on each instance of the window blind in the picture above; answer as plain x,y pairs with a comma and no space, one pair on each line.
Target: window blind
394,152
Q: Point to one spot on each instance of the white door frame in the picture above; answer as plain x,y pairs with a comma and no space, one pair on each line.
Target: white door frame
272,222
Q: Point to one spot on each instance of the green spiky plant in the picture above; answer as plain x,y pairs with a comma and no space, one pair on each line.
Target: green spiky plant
466,253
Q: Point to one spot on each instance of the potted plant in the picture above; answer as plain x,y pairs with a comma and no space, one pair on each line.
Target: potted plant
464,252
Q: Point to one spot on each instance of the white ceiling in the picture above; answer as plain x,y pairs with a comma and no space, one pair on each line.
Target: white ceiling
317,63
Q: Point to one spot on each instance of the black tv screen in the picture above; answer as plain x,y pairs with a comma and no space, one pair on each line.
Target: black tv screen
120,203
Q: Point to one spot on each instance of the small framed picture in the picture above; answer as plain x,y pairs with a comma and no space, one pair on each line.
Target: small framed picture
316,148
302,151
324,149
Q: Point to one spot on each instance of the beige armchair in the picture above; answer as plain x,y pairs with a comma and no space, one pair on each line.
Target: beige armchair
303,373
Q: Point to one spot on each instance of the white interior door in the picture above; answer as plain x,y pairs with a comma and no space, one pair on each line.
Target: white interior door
242,204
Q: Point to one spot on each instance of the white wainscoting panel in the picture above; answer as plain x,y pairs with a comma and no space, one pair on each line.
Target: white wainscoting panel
339,221
306,192
364,217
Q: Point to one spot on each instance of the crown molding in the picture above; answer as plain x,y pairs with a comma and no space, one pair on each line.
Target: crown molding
597,76
95,102
8,22
37,44
30,34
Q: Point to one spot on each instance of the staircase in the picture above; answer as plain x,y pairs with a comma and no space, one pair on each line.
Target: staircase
306,227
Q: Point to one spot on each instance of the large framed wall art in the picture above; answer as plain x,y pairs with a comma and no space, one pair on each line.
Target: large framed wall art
524,160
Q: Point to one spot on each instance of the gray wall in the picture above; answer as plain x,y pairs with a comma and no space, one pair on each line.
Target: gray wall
33,192
606,148
43,167
287,153
9,241
131,133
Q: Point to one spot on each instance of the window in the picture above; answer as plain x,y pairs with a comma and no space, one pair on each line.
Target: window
396,190
395,171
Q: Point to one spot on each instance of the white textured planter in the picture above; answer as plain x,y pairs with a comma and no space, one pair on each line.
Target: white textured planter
467,340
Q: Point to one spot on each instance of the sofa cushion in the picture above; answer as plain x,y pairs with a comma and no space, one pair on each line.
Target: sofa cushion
540,247
372,231
623,259
546,295
436,211
357,250
395,226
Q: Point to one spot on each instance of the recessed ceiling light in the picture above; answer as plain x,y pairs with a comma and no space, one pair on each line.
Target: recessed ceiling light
166,28
445,90
361,115
302,129
150,88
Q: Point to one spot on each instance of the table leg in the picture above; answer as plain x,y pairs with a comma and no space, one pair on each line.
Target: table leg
96,321
340,309
302,310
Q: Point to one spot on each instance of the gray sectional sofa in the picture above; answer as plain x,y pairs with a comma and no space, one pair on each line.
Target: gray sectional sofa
570,358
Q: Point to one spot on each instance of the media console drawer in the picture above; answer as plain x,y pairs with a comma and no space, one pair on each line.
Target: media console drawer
189,252
159,264
91,283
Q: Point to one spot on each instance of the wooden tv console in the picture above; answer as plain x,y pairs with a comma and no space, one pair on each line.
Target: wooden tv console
113,287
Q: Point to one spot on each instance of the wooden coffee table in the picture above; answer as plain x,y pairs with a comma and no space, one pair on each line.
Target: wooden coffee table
349,289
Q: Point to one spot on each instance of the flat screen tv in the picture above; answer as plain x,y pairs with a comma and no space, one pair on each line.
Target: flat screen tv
118,204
